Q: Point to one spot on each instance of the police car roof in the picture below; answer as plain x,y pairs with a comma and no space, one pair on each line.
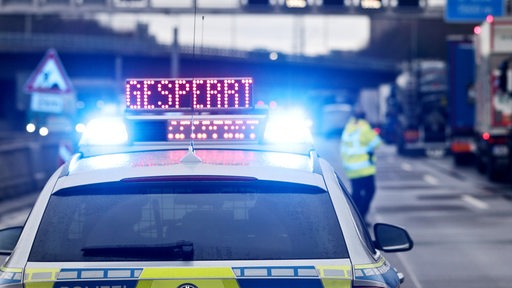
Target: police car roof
192,128
208,164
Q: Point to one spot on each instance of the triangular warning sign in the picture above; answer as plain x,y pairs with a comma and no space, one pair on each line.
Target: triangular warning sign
49,76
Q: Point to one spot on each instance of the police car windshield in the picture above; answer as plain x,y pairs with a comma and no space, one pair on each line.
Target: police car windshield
218,220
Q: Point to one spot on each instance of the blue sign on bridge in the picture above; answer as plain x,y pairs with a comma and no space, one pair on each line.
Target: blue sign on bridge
473,10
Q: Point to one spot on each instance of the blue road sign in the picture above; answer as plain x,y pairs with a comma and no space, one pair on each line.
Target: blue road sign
473,11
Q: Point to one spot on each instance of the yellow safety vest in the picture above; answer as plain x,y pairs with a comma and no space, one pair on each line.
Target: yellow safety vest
357,142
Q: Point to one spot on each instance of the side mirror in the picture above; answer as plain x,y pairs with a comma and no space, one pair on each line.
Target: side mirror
390,238
8,239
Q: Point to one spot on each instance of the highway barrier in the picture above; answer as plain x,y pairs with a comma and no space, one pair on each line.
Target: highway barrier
26,165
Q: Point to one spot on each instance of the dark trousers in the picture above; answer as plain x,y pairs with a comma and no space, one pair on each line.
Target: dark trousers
363,189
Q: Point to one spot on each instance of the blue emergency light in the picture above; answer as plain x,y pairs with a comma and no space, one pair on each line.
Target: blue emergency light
182,110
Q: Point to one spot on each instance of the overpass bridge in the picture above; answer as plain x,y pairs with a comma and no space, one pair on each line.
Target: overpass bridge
98,65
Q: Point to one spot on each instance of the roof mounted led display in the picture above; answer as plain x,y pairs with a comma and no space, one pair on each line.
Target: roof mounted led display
188,94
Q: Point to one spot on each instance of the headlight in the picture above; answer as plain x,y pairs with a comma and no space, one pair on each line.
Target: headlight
31,127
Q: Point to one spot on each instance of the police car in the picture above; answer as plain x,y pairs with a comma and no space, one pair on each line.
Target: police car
181,195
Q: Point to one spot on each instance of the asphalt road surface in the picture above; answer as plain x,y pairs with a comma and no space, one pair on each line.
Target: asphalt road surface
461,223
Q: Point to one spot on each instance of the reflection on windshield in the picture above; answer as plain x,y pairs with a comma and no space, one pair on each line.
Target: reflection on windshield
222,220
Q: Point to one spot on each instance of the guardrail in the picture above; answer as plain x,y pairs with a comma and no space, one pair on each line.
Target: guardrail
26,165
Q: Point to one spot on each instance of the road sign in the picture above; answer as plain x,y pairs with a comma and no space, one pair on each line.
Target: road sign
46,102
473,11
49,76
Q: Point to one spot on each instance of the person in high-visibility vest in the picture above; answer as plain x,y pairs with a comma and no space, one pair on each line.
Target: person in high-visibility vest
358,144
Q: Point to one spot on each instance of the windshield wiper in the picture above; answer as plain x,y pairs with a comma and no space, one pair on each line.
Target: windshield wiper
181,250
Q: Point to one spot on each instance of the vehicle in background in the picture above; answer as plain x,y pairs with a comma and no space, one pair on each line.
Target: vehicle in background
369,100
390,124
334,118
493,87
461,100
330,111
418,105
374,102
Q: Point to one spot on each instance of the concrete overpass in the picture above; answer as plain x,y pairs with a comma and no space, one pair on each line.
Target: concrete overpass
98,65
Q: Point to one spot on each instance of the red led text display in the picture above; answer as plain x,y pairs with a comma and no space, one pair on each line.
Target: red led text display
173,94
214,130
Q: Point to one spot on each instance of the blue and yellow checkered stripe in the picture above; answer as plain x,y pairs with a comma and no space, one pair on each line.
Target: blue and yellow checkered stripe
211,277
381,271
10,275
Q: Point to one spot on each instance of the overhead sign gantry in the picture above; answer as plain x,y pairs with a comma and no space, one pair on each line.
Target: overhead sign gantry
419,8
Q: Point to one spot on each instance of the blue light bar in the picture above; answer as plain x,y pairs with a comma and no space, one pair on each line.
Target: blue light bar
106,131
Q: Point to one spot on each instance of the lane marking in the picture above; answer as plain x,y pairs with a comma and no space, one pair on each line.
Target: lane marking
409,271
430,179
406,266
406,167
475,202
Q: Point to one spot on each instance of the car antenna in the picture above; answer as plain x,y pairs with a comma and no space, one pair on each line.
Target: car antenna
191,156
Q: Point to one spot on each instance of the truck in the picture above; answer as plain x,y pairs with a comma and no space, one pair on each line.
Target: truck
493,88
372,101
461,98
416,109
